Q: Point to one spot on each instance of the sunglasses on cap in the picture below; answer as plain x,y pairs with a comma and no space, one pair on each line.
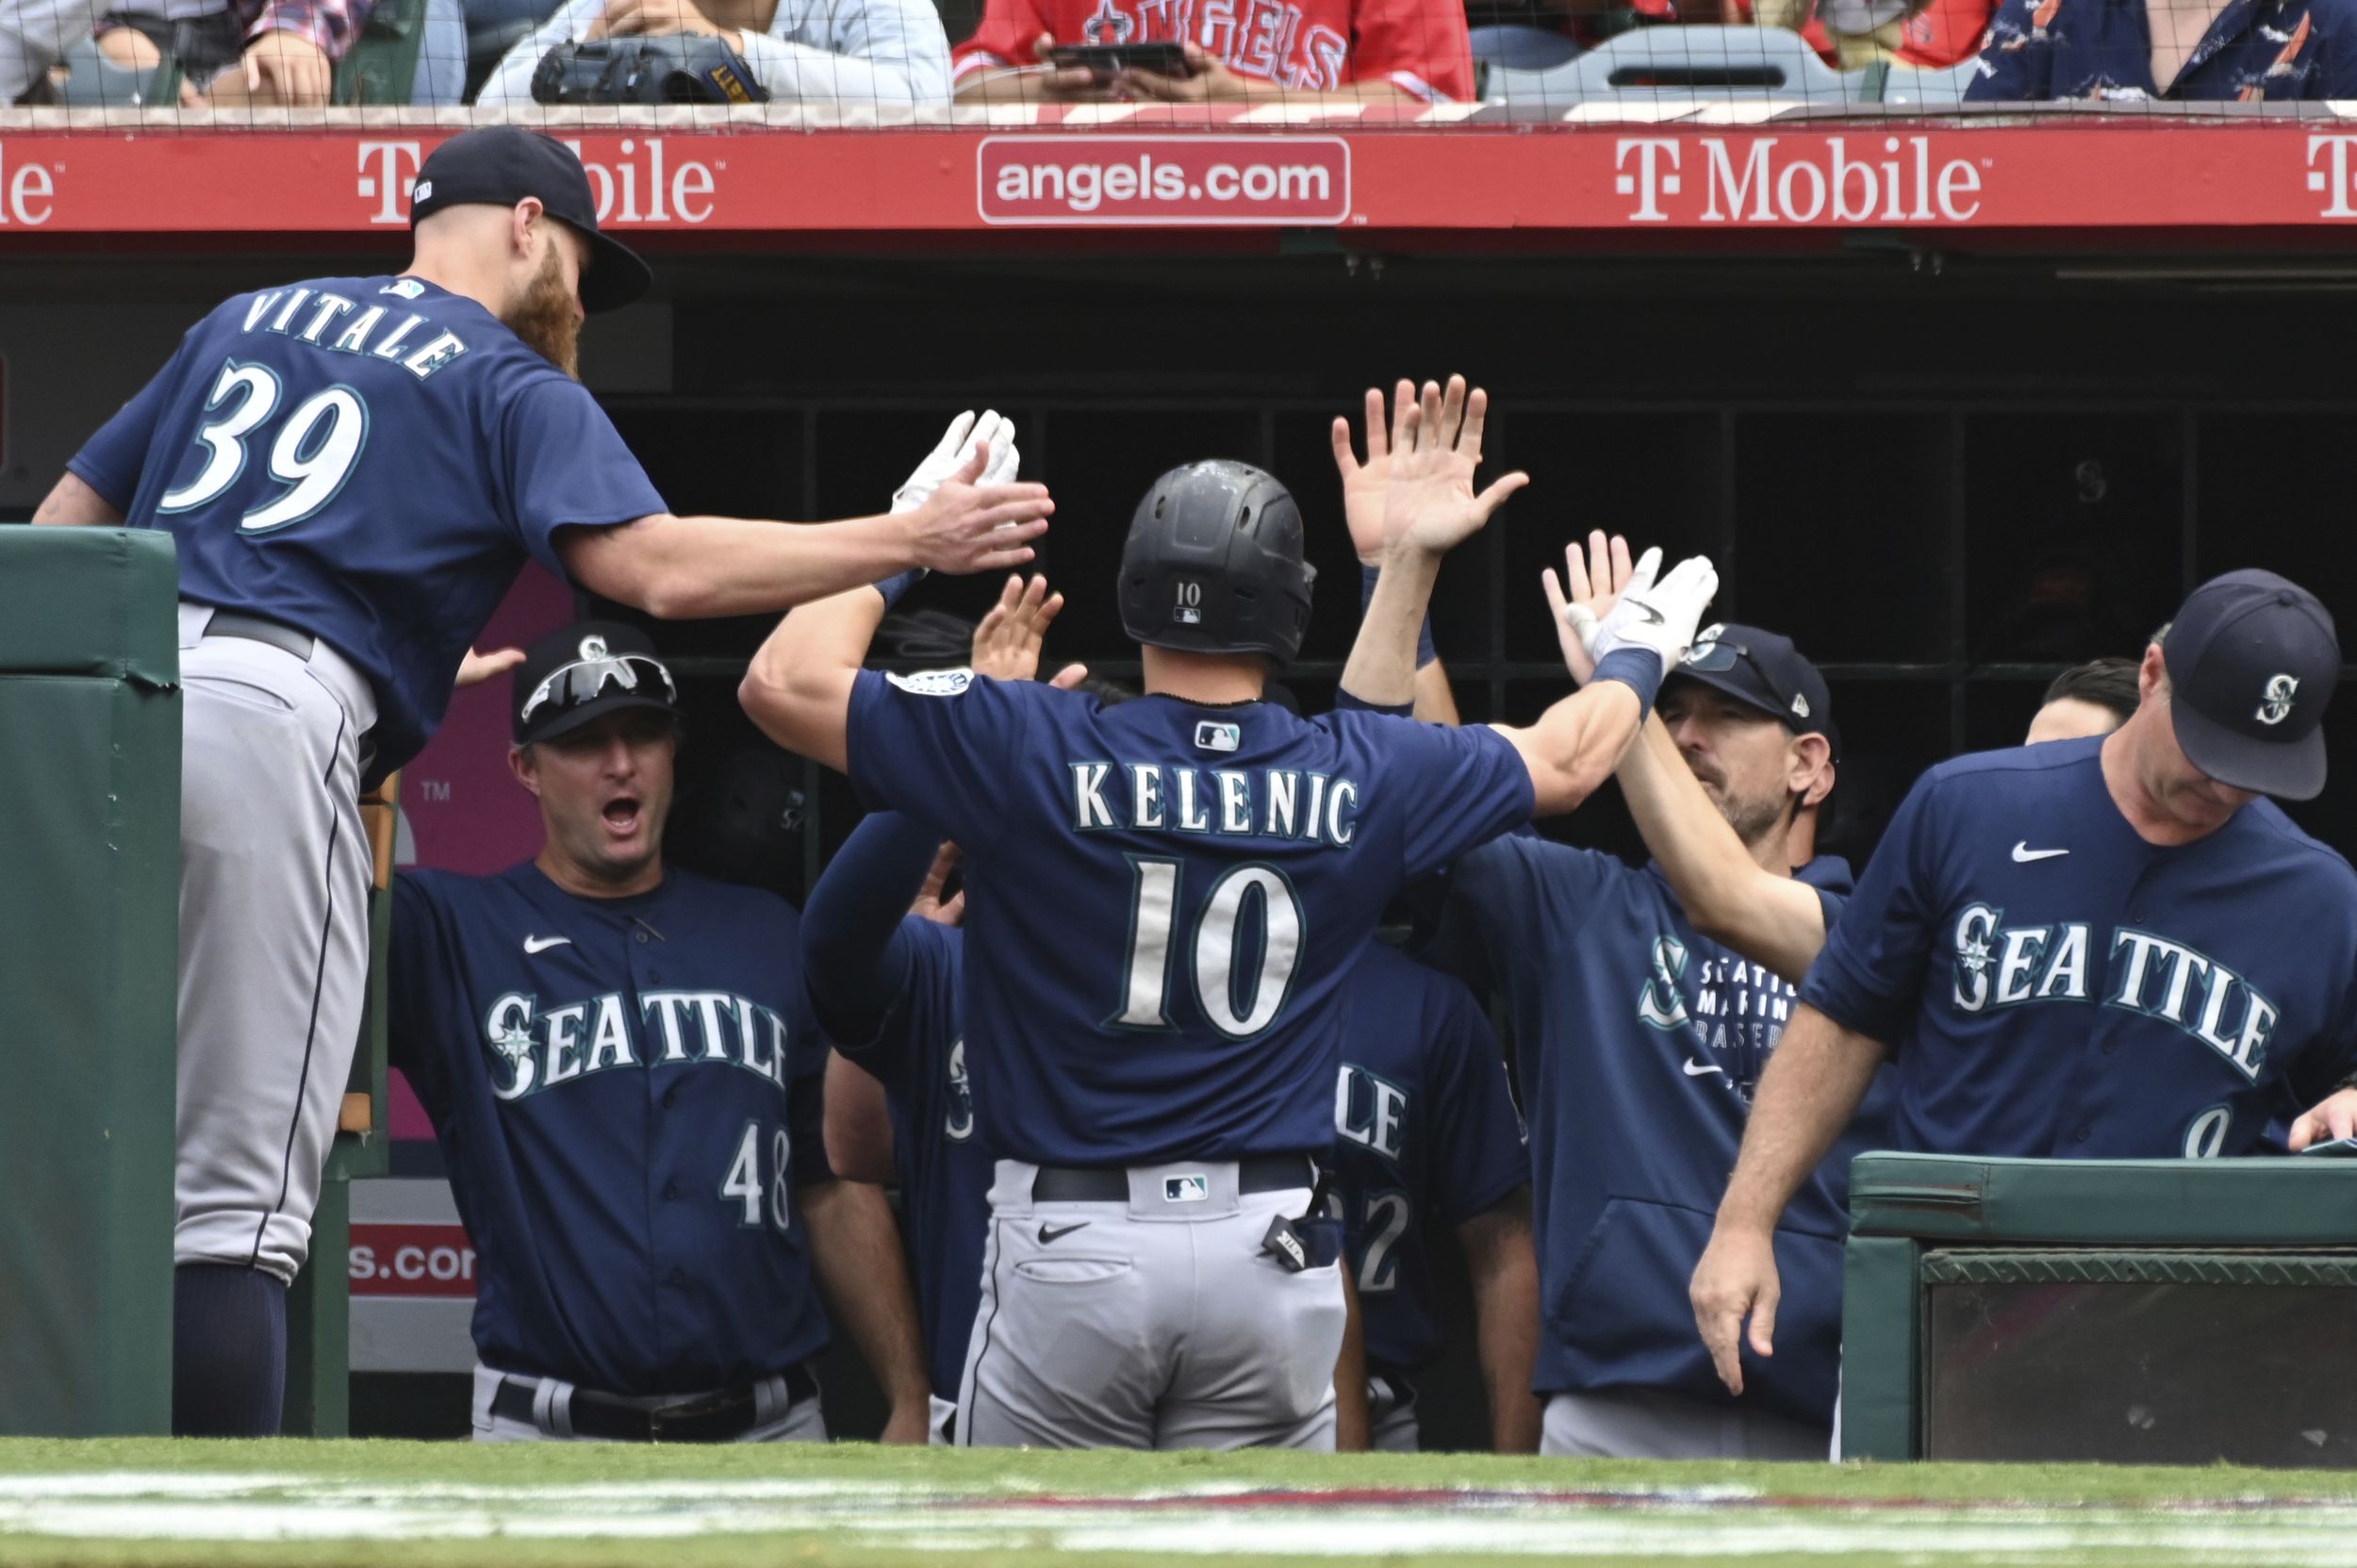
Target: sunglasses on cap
586,679
1714,655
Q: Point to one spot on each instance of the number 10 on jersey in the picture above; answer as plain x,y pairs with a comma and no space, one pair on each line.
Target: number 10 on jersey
1220,925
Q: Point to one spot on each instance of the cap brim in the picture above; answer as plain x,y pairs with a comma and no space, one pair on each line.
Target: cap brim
617,274
595,709
2286,770
1725,684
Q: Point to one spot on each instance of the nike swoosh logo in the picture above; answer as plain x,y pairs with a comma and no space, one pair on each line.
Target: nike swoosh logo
1698,1069
542,944
1057,1232
2023,855
1653,617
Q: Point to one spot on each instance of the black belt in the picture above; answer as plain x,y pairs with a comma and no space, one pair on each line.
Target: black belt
1261,1172
254,629
708,1418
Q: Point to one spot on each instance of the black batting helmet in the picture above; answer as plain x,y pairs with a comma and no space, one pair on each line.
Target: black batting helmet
1212,564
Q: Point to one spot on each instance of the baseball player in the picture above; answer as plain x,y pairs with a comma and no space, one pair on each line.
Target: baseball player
1153,1051
626,1082
354,470
2111,949
1639,1040
1422,1116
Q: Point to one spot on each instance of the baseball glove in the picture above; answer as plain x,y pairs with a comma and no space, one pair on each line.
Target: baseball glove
662,68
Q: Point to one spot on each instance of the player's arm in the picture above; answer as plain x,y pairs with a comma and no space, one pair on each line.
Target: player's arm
798,691
856,1248
72,504
1504,1269
1771,919
857,961
1816,1080
859,1125
1354,1428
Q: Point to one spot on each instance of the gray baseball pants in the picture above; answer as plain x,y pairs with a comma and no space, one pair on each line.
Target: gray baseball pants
1154,1323
273,938
1654,1424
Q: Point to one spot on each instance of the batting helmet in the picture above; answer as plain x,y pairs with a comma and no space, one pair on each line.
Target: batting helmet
1212,564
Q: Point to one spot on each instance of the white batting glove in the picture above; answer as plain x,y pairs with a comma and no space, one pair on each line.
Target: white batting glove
956,445
1659,617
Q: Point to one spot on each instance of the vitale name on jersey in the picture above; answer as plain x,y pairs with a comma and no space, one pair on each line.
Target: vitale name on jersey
543,1049
1998,965
1239,802
326,321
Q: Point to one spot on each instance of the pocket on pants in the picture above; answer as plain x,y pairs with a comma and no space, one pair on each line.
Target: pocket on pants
243,694
1072,1271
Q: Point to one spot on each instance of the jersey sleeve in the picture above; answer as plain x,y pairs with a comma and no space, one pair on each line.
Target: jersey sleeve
943,747
111,461
1505,899
1870,977
1476,1154
408,1006
856,932
566,464
901,1052
1420,48
1009,34
1458,787
806,1121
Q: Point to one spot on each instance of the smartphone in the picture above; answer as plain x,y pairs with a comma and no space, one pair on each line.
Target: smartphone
1167,57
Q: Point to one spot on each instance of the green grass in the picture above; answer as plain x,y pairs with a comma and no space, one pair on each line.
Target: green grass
877,1507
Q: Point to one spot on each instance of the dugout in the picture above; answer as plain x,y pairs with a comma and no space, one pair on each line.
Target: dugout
1946,462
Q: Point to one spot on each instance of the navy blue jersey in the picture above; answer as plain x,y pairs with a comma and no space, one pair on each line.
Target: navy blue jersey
628,1091
2051,986
943,1176
1422,1121
1638,1041
370,460
1164,899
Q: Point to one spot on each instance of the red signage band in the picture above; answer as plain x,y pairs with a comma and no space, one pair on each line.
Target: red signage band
411,1260
1653,185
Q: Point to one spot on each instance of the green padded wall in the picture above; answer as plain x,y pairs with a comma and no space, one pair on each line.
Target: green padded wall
90,872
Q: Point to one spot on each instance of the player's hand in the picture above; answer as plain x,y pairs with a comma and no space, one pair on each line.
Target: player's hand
648,18
966,525
2333,1118
1057,84
1006,640
1365,485
1654,613
476,668
1596,579
911,1425
957,444
1736,1279
930,905
1436,446
283,70
1207,81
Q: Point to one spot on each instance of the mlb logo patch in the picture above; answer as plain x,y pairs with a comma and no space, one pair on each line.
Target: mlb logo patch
1186,1189
1211,735
1186,606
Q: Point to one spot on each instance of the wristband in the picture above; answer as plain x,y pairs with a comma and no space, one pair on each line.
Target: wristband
893,587
1638,669
1426,653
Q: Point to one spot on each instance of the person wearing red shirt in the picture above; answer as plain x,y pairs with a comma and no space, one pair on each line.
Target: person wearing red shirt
1301,51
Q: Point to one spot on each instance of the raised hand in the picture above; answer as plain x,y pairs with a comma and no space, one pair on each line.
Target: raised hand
1436,447
1006,640
1660,616
970,525
930,905
1596,580
476,668
1366,485
965,434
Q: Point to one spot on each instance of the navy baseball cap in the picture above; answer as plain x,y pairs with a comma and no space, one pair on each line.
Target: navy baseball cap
500,165
2252,659
1761,669
583,672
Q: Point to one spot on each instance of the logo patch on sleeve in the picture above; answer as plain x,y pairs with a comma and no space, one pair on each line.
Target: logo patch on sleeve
934,683
1211,735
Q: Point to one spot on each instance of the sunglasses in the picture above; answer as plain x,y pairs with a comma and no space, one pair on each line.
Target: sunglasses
569,685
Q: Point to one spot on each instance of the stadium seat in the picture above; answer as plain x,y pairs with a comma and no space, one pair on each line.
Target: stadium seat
1679,65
